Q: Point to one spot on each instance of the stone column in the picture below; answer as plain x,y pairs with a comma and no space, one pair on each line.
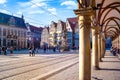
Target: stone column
95,59
99,47
84,13
102,47
84,44
84,52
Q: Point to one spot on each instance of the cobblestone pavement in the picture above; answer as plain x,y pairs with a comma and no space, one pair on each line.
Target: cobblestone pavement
57,66
24,67
110,68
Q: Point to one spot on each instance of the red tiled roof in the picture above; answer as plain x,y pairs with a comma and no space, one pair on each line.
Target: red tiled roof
63,23
34,28
73,22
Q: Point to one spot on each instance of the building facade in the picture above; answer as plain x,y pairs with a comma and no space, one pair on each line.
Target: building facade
76,36
72,35
60,32
33,36
12,31
45,37
52,34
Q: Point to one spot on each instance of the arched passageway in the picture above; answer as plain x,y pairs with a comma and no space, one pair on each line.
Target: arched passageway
102,18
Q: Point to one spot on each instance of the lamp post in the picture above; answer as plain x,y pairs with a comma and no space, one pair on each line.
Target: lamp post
84,13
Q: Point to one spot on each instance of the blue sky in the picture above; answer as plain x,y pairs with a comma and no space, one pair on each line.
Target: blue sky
39,12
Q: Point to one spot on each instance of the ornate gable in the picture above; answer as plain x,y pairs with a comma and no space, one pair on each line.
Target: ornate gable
11,21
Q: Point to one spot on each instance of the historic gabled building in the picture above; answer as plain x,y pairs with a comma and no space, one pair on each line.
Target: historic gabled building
60,32
12,31
72,32
33,36
45,37
52,34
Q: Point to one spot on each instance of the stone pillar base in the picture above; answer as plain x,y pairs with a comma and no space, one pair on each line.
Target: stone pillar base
101,60
96,68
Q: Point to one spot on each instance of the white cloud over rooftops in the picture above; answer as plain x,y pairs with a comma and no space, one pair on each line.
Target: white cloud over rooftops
69,4
5,11
53,11
3,1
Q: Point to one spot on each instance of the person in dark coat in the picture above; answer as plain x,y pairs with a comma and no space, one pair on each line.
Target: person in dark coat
4,50
54,49
30,51
33,51
0,50
44,48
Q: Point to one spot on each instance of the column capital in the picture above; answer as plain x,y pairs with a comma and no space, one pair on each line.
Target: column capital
84,11
97,32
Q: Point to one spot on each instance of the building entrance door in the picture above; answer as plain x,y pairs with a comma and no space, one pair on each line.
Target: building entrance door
12,44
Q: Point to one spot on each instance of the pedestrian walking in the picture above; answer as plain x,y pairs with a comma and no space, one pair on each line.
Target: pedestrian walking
30,51
44,48
4,50
54,49
11,49
0,50
33,51
37,50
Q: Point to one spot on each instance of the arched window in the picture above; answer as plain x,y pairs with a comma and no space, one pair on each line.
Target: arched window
4,32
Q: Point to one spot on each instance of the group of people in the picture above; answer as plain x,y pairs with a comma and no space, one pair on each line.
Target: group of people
32,51
4,50
44,47
115,51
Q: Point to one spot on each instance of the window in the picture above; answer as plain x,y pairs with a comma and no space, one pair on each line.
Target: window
15,32
0,32
69,40
0,41
18,33
24,34
4,32
12,31
69,29
60,34
73,22
50,35
8,31
4,42
28,33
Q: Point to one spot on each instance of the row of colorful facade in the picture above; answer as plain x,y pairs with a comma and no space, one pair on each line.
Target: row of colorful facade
61,34
15,32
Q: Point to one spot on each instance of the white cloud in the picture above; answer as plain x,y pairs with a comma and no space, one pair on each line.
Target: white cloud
69,4
33,6
19,12
3,1
52,10
36,12
36,7
33,3
37,1
5,11
24,4
39,4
